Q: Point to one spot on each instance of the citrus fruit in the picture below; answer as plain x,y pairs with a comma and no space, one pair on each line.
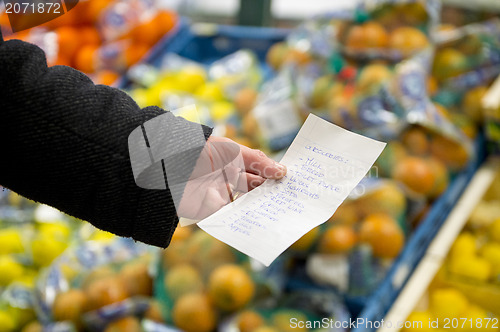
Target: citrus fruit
182,279
491,252
154,312
416,141
464,246
393,152
10,241
372,76
337,239
447,303
432,86
105,291
476,268
389,198
419,321
245,99
210,91
452,153
69,305
194,312
367,35
190,78
297,57
408,40
137,280
45,249
7,322
10,270
320,93
276,55
124,324
249,320
33,326
69,41
495,230
85,59
472,105
448,63
283,318
383,234
347,213
306,241
441,177
206,252
416,173
230,287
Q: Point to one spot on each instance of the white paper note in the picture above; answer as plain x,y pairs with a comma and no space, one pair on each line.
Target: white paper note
325,162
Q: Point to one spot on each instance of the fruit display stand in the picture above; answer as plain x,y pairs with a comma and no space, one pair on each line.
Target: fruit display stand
436,254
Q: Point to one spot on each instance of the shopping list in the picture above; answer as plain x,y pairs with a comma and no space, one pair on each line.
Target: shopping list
325,163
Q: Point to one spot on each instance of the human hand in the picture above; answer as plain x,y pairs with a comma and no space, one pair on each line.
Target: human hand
223,170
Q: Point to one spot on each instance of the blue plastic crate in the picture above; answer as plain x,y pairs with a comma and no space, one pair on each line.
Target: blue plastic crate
206,43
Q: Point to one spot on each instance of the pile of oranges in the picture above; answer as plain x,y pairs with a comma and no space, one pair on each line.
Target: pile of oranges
203,281
371,220
80,42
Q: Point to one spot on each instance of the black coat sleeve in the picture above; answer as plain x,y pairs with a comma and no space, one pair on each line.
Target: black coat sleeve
63,142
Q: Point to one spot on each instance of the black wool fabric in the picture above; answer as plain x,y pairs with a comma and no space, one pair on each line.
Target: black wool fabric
63,142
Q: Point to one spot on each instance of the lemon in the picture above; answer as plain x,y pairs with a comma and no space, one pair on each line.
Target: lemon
221,110
210,91
495,230
491,252
10,241
191,78
45,250
102,236
56,231
10,270
476,268
7,322
464,246
419,321
447,303
140,96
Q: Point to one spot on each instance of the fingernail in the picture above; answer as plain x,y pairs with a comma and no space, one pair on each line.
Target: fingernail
282,171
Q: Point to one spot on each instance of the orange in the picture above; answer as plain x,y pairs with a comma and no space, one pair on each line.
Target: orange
389,198
69,41
282,320
194,312
154,312
408,40
164,21
297,56
104,291
174,254
390,156
244,100
249,320
347,213
416,141
441,177
85,60
69,305
181,233
135,52
337,239
416,174
206,252
106,77
383,234
472,105
276,55
306,241
367,35
230,287
372,76
146,32
33,326
182,279
448,63
89,36
452,153
124,324
137,279
412,13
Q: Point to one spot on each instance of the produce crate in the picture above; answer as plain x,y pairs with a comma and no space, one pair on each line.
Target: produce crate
206,43
437,251
377,305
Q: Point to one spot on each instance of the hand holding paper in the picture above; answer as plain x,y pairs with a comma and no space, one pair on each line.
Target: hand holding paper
325,163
